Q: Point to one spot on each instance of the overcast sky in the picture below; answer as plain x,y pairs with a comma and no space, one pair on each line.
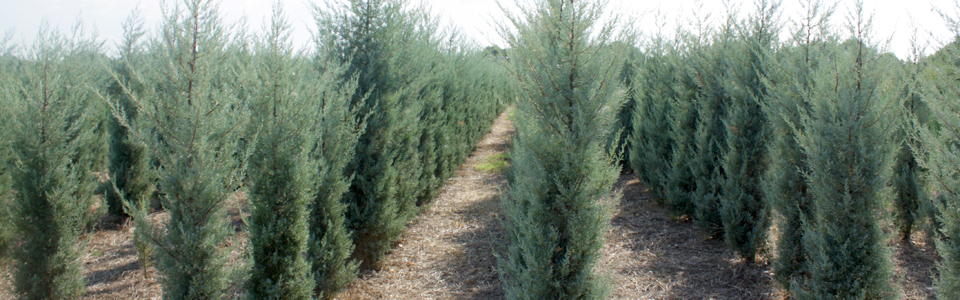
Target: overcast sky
893,19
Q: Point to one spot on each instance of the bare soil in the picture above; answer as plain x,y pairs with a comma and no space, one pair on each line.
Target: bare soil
448,252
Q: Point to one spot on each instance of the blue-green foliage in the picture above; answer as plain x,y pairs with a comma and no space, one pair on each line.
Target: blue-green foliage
849,156
282,168
424,104
620,140
650,147
51,131
787,194
743,209
128,161
191,121
712,63
8,64
909,212
129,166
557,210
382,45
680,183
940,154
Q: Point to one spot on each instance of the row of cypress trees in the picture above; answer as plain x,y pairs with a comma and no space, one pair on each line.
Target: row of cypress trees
825,139
336,148
567,65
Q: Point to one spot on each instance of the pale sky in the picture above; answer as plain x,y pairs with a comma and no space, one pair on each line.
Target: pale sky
893,19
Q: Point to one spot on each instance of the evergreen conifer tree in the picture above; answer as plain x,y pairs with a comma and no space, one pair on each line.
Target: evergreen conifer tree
387,46
907,174
51,135
743,210
557,209
784,187
191,121
650,146
681,181
712,100
281,169
849,159
128,164
623,127
330,244
8,65
940,155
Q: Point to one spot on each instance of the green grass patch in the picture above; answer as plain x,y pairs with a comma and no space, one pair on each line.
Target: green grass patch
495,163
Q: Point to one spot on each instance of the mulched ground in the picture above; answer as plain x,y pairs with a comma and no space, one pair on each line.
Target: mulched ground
448,252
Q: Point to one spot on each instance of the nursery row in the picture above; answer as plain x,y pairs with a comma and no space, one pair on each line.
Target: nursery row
335,148
817,134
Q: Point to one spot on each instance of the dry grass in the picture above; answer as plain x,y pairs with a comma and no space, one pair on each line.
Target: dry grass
113,271
652,256
448,252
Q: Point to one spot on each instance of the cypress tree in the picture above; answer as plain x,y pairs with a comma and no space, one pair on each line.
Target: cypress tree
849,161
681,181
387,47
330,245
191,121
50,127
713,98
280,168
623,127
941,156
784,186
128,164
556,211
907,174
7,230
742,206
655,88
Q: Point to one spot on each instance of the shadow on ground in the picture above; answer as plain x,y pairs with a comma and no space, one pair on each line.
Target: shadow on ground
659,257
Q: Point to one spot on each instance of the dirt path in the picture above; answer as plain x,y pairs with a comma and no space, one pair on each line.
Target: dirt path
447,253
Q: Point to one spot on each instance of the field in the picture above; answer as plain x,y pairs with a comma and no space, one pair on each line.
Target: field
744,157
448,252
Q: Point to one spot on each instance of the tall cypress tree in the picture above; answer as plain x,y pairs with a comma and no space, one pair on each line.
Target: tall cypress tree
650,145
385,45
784,187
191,121
330,244
941,156
128,163
849,158
8,64
623,128
681,182
281,168
743,210
908,212
555,212
50,132
711,65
